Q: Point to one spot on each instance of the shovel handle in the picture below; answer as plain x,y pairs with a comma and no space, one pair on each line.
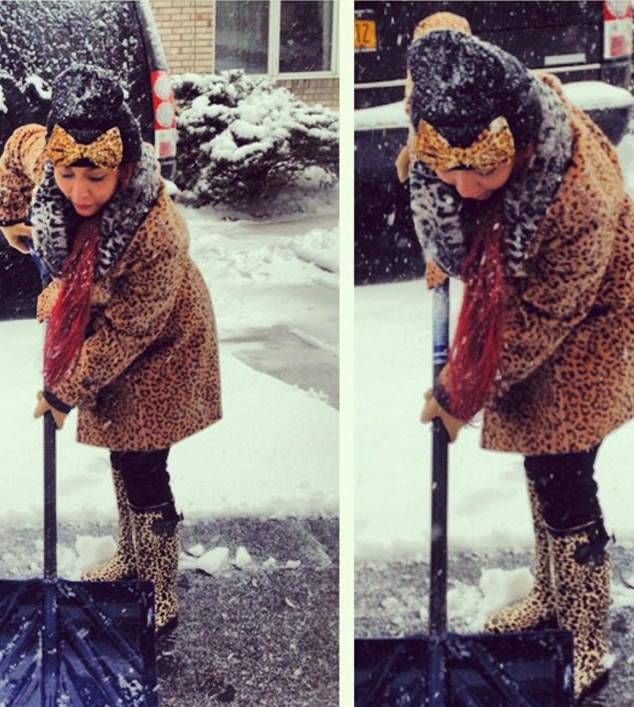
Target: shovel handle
50,500
41,268
50,513
439,486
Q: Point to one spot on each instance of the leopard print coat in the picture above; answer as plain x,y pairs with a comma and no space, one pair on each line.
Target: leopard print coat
566,376
148,372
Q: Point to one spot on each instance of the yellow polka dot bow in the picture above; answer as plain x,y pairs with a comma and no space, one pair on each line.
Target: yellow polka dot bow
105,152
493,146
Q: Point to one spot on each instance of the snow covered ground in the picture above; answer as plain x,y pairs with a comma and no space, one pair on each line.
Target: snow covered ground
275,452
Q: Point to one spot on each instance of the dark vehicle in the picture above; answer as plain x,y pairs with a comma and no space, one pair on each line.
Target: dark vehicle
38,39
587,44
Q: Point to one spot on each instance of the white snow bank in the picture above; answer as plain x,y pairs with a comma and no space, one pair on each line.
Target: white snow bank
588,95
390,115
276,450
596,95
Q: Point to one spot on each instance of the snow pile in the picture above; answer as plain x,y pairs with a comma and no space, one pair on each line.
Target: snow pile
320,247
92,551
89,551
597,95
389,115
588,95
284,260
501,588
243,558
213,561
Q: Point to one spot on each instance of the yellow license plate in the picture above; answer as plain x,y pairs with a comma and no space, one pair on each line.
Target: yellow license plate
364,35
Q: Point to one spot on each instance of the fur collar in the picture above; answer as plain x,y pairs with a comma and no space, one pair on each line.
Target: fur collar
53,217
443,219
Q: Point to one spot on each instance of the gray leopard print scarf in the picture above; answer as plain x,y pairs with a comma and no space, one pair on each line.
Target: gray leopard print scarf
443,220
53,217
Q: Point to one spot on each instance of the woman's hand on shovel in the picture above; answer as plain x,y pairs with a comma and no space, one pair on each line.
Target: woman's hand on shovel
18,236
432,409
44,406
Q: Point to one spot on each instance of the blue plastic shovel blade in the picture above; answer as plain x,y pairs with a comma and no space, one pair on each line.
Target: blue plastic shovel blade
77,643
531,669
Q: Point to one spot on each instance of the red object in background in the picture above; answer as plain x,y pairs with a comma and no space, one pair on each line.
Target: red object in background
164,114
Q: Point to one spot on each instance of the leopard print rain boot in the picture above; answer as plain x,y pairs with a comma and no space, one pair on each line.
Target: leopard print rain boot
158,544
537,609
582,588
123,564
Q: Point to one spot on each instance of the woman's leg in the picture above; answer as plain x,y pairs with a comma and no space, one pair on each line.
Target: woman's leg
581,564
123,564
566,488
145,476
537,610
155,522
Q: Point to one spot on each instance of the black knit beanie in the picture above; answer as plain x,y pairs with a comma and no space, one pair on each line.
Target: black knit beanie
87,101
461,84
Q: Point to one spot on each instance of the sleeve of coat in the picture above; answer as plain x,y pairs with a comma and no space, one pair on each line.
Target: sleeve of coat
142,301
562,288
21,167
46,300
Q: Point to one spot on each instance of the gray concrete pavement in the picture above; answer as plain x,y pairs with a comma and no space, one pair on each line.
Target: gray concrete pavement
264,635
288,355
304,350
261,635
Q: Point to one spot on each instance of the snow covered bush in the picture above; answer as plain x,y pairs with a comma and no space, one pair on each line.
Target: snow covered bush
242,140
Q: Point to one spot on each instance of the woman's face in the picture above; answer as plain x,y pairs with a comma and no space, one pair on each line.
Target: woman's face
477,184
87,188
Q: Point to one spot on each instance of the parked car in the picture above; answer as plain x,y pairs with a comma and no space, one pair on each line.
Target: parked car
579,41
40,38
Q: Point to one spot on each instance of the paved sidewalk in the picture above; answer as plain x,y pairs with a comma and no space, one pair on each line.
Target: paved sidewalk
265,635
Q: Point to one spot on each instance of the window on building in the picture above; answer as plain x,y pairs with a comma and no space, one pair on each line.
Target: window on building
275,36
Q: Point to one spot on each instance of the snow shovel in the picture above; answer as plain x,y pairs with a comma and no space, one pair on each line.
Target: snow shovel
75,644
528,669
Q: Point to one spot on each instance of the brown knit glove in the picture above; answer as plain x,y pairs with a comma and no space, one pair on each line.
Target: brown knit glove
402,164
43,406
18,235
432,410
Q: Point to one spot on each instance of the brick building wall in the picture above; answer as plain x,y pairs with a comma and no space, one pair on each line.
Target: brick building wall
325,92
187,35
186,28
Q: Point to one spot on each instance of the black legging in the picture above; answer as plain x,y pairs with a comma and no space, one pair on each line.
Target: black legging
565,487
146,479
